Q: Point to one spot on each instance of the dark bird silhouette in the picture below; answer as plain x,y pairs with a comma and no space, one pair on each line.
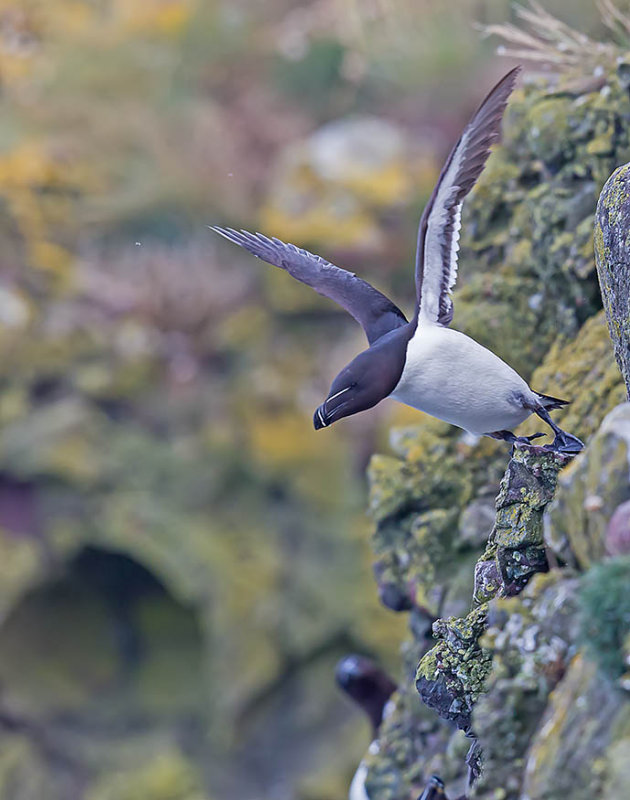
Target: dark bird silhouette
370,687
434,790
367,684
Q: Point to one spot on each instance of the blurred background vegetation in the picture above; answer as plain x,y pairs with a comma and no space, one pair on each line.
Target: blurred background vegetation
183,558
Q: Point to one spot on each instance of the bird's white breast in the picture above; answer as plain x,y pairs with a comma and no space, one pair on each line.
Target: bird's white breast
357,787
450,376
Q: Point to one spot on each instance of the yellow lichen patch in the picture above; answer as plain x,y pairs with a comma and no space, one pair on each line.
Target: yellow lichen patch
584,372
588,493
581,702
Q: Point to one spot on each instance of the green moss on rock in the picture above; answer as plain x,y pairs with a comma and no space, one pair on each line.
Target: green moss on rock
605,614
527,281
613,262
567,756
582,370
531,639
451,676
589,491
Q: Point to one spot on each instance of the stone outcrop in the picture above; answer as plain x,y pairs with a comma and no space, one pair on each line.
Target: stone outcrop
613,262
451,676
510,672
589,493
531,640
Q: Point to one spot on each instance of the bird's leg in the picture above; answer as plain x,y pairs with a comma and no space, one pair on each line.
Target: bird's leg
508,436
564,442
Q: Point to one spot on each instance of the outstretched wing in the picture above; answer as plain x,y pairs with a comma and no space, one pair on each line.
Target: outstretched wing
438,235
371,309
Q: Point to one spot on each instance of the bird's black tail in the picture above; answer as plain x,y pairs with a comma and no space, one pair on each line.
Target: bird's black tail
552,402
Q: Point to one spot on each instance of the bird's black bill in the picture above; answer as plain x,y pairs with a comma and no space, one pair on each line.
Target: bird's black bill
319,418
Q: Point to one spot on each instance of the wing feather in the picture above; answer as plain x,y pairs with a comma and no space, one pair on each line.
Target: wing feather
371,309
438,234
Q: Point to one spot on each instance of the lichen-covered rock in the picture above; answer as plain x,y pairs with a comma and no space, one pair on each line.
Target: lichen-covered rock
617,777
530,639
590,491
526,488
581,369
568,753
618,531
451,675
605,617
415,501
531,752
528,290
532,214
613,262
414,743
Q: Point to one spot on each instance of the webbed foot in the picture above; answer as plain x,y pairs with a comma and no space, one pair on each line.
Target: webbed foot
566,443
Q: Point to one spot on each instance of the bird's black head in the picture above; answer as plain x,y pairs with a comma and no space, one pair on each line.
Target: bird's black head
434,789
366,683
367,379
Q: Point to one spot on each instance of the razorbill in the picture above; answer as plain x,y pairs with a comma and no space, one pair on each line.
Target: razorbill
434,790
423,362
370,688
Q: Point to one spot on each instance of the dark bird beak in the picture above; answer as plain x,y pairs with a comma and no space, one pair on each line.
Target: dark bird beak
319,418
330,409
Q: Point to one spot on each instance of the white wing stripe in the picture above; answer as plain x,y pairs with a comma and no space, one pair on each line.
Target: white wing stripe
438,233
453,261
438,264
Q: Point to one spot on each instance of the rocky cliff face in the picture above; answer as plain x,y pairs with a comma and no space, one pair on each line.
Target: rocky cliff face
534,674
523,593
613,262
